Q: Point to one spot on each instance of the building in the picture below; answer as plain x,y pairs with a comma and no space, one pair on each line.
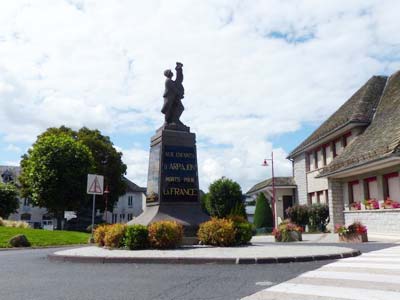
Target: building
285,192
35,216
355,155
128,206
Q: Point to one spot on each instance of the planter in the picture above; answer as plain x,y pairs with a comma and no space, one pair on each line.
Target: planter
292,236
353,238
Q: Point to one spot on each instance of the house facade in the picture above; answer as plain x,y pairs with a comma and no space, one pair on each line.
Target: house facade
285,193
354,156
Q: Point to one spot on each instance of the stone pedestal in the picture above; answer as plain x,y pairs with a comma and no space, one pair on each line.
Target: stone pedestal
173,183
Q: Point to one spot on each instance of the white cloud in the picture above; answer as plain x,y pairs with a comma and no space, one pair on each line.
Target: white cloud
253,70
13,148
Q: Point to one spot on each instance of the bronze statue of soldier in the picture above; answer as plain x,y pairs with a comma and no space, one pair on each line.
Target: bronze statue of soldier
173,95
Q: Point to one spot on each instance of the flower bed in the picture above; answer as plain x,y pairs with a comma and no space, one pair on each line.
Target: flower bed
354,233
288,232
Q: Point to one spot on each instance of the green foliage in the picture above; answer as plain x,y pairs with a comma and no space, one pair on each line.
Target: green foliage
239,210
217,232
40,237
8,199
224,194
114,235
165,234
318,217
136,237
54,173
243,233
263,213
107,160
299,214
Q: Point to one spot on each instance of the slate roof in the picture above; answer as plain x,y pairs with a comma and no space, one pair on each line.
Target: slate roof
279,181
380,140
359,108
133,187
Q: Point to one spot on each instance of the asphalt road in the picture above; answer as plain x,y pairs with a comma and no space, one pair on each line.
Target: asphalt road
27,274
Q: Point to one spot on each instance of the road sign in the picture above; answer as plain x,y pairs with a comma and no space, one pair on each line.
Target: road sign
95,184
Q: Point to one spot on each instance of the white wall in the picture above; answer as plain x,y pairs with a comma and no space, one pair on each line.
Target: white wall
300,177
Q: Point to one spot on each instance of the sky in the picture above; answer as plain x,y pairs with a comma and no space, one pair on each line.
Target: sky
260,76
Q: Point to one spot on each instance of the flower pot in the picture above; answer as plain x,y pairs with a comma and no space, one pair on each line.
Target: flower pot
295,236
353,238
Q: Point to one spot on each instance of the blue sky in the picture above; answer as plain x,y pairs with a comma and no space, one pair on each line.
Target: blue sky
260,76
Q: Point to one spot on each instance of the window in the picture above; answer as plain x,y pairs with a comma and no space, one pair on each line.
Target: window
122,217
371,188
114,218
310,198
392,186
354,191
25,217
320,197
130,217
26,202
338,147
326,197
346,139
130,201
307,162
315,160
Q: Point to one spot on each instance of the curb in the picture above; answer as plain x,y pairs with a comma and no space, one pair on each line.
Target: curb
41,247
200,260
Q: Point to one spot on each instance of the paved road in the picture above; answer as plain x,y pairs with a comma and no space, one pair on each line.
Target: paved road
27,274
372,276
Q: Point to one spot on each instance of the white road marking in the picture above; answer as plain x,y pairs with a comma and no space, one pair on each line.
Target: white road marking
329,291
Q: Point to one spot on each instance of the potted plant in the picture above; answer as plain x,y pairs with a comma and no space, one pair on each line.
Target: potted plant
287,232
389,203
371,204
355,205
354,233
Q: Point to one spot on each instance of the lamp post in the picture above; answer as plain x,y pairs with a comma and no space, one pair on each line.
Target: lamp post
274,213
106,192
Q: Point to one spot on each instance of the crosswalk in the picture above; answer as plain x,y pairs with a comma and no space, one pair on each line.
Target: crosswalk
371,276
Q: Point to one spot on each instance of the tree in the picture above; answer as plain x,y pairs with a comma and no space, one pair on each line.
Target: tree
107,161
54,173
224,195
8,199
263,213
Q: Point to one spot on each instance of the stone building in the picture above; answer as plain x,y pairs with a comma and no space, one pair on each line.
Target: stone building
285,192
354,156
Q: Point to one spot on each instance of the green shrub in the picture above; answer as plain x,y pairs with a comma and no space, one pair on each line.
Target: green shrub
136,237
243,233
217,232
223,196
243,230
263,213
318,217
299,214
99,234
114,235
165,234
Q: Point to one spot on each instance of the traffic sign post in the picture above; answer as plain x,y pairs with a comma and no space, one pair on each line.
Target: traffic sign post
95,186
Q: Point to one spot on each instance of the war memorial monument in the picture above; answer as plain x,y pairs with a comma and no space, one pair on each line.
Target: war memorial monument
173,181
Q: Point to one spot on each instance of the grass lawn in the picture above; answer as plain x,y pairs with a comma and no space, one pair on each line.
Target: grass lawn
39,237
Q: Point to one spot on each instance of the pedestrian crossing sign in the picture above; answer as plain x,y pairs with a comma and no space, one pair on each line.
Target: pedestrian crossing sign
95,184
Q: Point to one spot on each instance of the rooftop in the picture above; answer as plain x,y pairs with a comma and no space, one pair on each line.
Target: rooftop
360,108
279,182
381,139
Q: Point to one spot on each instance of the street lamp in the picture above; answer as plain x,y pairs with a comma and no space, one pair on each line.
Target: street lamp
274,213
106,193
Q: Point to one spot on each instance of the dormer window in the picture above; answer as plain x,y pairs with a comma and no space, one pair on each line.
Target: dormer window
7,176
